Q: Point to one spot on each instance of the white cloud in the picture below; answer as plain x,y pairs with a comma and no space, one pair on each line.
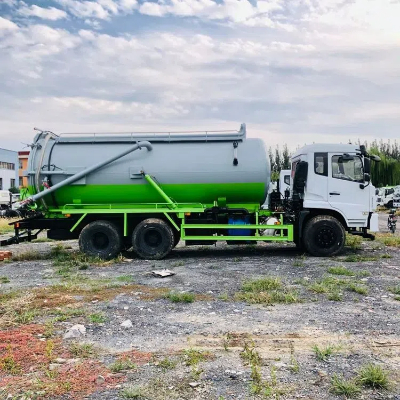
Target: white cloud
7,25
50,13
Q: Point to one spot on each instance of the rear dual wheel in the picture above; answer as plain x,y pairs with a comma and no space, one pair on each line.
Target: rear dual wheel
153,239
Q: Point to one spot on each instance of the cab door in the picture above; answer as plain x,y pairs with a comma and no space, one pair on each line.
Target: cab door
345,192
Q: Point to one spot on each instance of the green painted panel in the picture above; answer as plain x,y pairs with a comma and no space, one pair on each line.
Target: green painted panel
181,193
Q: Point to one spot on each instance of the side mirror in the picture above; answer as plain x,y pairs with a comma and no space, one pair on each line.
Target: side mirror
375,158
367,177
367,165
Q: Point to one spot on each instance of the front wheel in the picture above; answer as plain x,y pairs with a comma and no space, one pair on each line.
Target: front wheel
324,236
153,239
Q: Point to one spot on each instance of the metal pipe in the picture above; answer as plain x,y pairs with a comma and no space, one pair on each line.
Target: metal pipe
87,171
159,190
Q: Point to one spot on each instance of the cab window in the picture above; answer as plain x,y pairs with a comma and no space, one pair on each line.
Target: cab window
321,164
347,168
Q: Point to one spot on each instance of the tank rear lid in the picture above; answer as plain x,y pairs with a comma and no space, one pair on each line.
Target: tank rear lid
154,137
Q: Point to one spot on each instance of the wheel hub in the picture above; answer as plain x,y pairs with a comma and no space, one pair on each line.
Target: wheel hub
153,238
100,240
326,237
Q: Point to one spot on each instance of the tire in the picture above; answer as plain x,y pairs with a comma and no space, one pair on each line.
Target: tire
324,236
390,204
153,239
101,239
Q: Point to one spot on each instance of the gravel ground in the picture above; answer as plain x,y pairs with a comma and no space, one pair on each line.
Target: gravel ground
360,328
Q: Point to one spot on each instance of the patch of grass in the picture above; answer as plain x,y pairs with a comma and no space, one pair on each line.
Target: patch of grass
335,296
323,353
394,289
133,392
298,263
224,296
181,297
294,364
82,350
122,365
268,290
4,227
166,363
341,271
26,316
178,264
343,387
389,240
359,258
97,318
42,240
363,273
4,279
8,363
330,286
373,375
386,256
125,278
360,289
30,255
193,357
67,313
353,241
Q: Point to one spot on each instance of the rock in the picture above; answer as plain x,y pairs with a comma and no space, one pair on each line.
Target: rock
127,324
280,365
194,384
100,380
75,331
54,366
60,360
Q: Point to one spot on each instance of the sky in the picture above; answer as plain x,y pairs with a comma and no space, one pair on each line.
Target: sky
295,71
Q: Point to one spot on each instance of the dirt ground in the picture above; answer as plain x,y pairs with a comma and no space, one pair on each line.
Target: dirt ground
210,331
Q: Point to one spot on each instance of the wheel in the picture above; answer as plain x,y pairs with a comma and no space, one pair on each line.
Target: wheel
100,239
152,239
324,236
390,204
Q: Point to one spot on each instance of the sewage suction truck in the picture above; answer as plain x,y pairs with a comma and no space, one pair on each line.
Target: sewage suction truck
150,191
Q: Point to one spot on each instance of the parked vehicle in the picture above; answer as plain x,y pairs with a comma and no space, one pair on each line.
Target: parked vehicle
149,191
388,196
5,199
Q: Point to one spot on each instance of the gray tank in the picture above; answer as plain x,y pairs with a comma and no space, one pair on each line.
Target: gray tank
190,168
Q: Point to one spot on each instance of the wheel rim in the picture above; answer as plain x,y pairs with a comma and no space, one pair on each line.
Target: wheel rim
325,237
100,241
153,238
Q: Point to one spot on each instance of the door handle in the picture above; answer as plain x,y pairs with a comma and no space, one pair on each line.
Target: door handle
334,194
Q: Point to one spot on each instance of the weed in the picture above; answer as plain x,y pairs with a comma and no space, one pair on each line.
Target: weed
181,297
122,365
386,256
84,350
8,363
394,289
340,271
24,317
340,386
42,240
125,278
28,256
166,363
49,348
97,318
262,285
48,329
67,313
4,279
255,376
178,264
224,296
335,296
374,376
132,392
353,241
226,341
359,258
250,355
196,372
360,289
266,290
324,353
389,240
298,263
363,273
192,357
294,364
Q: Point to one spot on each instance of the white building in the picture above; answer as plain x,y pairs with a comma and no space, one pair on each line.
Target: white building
8,169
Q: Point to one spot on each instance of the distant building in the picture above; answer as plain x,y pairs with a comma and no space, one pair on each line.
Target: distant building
23,166
8,169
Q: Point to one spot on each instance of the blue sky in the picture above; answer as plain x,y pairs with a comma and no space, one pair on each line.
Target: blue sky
296,72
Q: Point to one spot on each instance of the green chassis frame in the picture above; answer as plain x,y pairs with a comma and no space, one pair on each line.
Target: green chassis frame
179,209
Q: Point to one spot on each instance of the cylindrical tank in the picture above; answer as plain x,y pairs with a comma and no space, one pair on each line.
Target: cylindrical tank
189,168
